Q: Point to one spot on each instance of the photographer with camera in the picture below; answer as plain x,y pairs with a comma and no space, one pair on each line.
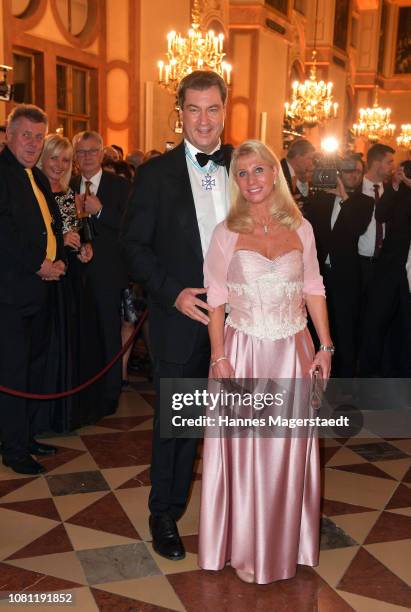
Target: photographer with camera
386,343
339,216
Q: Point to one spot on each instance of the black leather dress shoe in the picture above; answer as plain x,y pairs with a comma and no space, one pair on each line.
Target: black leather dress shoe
166,539
38,448
25,466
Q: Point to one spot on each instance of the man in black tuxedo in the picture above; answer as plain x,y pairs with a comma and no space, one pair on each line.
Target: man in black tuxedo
32,257
297,167
385,350
339,217
178,199
104,196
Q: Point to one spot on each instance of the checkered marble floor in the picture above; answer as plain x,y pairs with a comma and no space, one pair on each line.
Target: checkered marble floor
82,528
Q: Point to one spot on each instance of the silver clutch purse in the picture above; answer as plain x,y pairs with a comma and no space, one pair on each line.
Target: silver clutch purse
317,388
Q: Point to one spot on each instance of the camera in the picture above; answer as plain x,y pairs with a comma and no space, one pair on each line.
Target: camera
407,168
6,90
327,169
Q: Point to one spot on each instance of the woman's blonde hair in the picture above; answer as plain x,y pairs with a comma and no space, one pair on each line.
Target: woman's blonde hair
283,208
53,145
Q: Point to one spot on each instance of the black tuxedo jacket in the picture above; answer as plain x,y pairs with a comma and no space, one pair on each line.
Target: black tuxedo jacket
163,249
394,209
107,267
23,235
341,242
295,191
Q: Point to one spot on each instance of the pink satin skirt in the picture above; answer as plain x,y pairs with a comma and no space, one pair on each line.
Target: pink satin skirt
260,500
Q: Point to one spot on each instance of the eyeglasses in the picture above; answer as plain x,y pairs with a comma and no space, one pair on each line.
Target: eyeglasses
84,152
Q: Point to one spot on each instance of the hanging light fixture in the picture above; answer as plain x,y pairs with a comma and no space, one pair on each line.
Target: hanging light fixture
311,101
198,51
404,139
374,123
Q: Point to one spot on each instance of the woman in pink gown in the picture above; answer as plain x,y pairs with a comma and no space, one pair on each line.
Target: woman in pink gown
260,502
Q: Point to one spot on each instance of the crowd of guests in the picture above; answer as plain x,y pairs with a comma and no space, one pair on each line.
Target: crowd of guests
200,228
362,230
68,330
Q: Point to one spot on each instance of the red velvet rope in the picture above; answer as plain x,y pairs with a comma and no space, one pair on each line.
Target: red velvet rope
86,384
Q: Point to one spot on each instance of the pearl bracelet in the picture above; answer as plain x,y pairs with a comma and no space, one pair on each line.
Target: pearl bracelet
213,363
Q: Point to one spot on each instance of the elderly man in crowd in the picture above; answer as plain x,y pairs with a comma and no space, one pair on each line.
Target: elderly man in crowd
104,197
32,257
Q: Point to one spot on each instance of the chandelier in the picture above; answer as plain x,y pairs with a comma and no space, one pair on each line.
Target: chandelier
374,123
404,139
311,101
198,51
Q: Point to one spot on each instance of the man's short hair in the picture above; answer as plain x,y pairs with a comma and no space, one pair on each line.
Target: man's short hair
27,111
201,80
356,157
377,153
86,135
301,146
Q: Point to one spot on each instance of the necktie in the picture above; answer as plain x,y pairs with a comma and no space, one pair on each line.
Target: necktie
379,236
217,157
87,191
51,250
81,213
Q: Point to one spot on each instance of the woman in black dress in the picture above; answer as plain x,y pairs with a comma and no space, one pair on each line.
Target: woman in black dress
74,354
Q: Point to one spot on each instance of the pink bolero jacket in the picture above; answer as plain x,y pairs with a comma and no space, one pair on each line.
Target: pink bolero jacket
221,250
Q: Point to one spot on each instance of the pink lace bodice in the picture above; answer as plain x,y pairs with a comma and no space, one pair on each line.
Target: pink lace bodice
265,297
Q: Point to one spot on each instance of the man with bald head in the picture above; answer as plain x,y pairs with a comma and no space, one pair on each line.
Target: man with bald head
31,259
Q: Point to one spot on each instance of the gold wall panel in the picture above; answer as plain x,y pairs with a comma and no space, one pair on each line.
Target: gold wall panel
239,122
118,137
117,30
241,56
117,95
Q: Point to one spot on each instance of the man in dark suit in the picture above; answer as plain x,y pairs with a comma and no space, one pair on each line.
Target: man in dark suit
297,167
178,199
104,196
339,217
384,350
32,257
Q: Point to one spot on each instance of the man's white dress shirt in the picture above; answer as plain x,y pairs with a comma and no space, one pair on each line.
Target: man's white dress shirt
209,186
334,217
366,242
